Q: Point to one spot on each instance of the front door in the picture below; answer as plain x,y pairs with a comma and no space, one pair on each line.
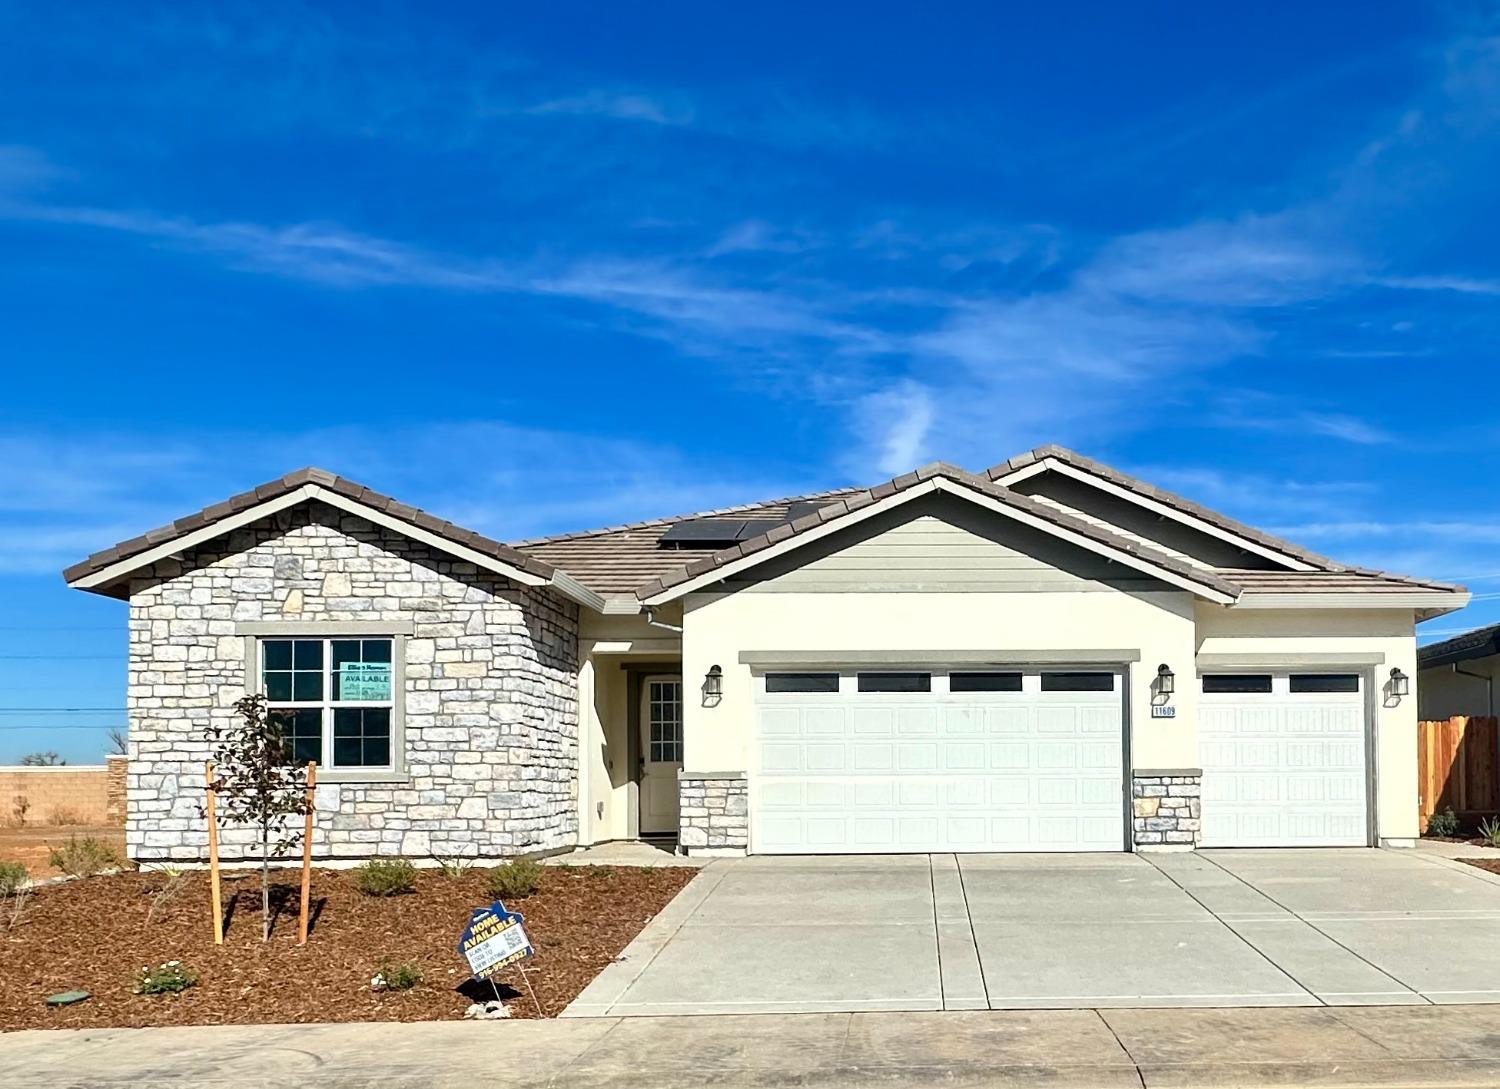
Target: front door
661,753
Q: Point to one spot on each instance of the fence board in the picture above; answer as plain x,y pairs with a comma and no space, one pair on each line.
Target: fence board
1458,767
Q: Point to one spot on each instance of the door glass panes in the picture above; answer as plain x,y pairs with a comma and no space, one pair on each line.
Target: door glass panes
664,708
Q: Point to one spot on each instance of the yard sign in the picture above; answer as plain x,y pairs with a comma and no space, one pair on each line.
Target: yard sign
493,939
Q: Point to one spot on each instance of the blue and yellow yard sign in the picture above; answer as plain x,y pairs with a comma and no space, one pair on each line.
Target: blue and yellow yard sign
493,940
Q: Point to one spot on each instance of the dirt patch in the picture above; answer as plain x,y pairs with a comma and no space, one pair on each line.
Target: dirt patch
33,844
95,935
1490,864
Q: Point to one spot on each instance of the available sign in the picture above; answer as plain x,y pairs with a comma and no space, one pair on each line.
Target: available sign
493,939
365,681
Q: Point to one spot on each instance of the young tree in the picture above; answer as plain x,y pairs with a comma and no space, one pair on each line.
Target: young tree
42,760
258,785
119,742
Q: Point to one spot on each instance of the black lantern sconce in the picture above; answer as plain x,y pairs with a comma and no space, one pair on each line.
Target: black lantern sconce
713,686
1400,683
1166,681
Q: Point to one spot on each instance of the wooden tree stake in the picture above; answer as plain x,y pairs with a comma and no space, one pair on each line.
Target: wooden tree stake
307,836
213,854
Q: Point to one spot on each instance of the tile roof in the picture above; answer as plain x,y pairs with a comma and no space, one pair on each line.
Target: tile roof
1161,495
864,497
618,559
1346,581
274,489
1479,643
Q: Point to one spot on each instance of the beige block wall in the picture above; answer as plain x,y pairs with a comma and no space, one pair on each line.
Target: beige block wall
1389,632
1158,626
70,794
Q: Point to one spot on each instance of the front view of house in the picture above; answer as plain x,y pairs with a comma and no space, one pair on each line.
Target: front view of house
1046,656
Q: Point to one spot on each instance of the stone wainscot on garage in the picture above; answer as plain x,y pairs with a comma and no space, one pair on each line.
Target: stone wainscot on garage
1048,655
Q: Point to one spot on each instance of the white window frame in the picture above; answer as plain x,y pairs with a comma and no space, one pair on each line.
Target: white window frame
258,634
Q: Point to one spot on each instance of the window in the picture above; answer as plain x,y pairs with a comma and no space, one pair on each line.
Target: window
802,682
664,708
1325,682
1236,682
1078,682
895,682
335,699
984,682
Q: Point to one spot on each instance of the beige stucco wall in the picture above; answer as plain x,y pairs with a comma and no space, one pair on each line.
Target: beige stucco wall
718,627
1442,693
1389,632
609,647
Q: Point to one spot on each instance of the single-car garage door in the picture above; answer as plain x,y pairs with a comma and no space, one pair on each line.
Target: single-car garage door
999,760
1283,760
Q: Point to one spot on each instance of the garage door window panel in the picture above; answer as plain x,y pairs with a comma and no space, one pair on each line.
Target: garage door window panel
1078,682
802,682
895,682
1324,682
1227,683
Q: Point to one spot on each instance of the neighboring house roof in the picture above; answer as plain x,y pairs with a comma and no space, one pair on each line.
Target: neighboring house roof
1479,643
1011,467
722,562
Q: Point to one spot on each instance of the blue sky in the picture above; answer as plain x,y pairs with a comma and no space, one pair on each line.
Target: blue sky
539,267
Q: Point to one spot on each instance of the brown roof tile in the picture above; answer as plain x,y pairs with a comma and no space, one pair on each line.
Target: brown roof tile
291,482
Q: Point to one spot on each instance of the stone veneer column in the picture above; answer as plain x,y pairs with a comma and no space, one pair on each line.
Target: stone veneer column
714,813
1167,808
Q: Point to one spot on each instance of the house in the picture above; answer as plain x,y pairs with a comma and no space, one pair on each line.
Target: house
1457,676
1049,655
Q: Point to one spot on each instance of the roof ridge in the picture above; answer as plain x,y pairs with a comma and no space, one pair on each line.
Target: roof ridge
647,523
1170,498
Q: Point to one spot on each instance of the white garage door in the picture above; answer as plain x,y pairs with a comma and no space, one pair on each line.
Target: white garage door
1283,760
1005,760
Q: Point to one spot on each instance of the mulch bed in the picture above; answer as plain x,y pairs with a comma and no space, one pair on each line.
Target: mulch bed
94,935
1490,864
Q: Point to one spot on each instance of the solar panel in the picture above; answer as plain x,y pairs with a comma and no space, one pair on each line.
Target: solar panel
704,531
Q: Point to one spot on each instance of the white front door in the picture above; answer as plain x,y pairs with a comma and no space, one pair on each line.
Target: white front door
853,761
1283,760
661,753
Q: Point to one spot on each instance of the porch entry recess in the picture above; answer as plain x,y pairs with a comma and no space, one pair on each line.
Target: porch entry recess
661,753
972,758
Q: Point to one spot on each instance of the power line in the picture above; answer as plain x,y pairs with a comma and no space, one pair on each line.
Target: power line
99,727
59,710
61,657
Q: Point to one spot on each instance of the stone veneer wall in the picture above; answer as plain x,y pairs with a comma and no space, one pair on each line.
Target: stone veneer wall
714,812
1167,808
491,707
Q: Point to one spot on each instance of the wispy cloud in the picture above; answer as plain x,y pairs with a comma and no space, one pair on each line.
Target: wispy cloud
1459,285
899,419
617,106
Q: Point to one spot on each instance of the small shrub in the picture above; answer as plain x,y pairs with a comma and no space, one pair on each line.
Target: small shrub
84,857
386,877
453,865
18,811
401,976
514,880
12,877
1444,824
1489,831
62,815
168,978
176,881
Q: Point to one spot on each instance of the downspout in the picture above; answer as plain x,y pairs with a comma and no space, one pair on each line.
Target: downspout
655,623
1489,682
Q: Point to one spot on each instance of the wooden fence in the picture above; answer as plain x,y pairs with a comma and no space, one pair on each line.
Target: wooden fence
1458,768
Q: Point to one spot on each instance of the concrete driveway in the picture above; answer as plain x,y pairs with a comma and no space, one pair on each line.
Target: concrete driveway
1214,928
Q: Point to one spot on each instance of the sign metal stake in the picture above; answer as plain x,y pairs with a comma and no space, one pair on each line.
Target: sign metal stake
529,987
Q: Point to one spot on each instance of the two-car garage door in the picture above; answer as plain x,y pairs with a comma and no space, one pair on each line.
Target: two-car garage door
999,760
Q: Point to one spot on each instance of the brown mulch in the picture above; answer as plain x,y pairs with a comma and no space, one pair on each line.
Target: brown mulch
94,935
1490,864
33,844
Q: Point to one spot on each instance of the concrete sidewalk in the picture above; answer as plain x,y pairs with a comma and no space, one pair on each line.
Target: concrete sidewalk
1408,1046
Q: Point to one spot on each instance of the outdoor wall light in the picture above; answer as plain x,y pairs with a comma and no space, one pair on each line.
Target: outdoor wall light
1400,682
713,683
1166,680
